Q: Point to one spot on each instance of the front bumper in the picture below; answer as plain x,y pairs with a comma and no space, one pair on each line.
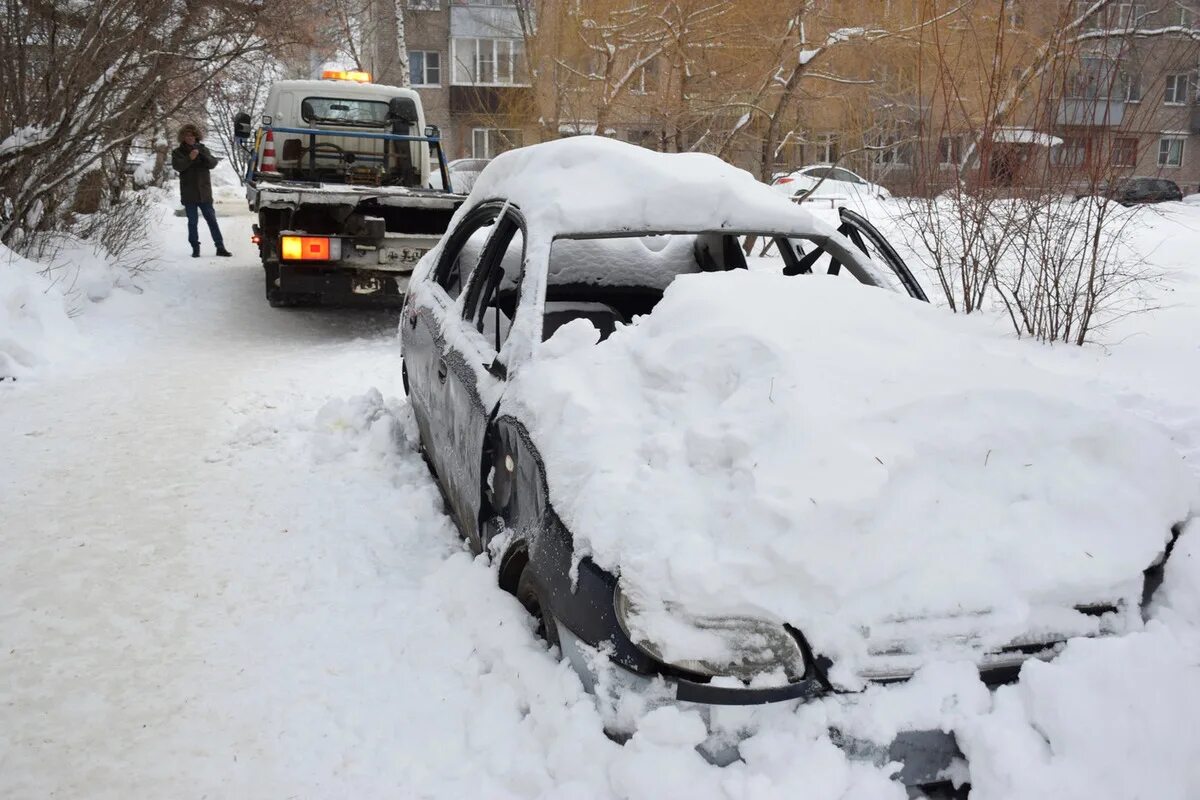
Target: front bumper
926,757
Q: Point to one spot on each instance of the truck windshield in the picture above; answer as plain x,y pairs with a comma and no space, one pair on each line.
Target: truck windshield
344,111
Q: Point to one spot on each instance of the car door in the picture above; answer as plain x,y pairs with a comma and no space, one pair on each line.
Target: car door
431,308
474,373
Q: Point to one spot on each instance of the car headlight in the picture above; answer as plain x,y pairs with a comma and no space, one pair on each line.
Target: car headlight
748,647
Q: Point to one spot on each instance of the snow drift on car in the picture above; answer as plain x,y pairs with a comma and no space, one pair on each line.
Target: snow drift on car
842,459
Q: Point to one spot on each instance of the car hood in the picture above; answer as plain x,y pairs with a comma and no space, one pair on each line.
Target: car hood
831,456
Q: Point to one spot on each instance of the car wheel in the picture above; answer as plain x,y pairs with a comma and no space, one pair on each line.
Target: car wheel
533,597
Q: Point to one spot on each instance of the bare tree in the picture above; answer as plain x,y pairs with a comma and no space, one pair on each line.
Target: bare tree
80,82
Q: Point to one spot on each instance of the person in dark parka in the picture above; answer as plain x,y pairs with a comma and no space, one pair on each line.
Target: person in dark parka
193,162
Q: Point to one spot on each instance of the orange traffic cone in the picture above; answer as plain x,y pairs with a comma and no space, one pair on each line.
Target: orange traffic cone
268,158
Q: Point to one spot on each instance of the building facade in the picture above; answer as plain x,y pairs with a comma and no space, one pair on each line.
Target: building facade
467,61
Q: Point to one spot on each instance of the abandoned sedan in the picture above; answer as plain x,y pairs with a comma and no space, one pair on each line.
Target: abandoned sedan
724,479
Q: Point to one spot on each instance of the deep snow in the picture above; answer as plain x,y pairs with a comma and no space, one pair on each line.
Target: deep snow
225,572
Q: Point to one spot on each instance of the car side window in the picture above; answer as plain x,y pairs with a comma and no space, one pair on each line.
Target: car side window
844,175
491,304
463,252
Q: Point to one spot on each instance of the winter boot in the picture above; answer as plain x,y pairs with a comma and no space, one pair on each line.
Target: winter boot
195,251
221,251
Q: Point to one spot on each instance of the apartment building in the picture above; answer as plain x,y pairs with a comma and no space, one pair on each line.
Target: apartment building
467,60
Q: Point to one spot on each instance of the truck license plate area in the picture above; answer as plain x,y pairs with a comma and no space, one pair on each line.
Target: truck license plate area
400,255
365,285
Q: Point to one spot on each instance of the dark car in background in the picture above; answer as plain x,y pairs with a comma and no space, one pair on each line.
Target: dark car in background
1136,191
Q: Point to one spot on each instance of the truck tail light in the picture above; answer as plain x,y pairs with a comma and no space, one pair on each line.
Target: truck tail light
308,248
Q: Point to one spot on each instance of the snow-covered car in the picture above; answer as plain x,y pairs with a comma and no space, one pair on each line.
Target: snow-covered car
721,480
827,181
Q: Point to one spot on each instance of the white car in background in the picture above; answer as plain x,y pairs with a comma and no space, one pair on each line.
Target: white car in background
828,182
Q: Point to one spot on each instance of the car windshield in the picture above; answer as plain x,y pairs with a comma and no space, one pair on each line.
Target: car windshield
609,279
345,111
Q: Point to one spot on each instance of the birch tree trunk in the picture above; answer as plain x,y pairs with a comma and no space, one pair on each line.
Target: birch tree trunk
403,73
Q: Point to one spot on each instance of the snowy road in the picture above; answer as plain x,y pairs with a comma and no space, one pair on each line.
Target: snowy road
204,601
226,573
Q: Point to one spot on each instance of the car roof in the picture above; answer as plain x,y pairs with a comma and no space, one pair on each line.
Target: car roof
633,190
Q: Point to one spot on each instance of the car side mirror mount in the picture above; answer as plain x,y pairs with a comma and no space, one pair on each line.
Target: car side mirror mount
497,369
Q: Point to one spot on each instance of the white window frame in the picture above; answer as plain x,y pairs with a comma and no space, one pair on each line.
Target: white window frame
488,150
504,58
1177,83
1115,150
954,151
424,5
1129,81
1164,156
1128,14
827,144
1075,151
423,82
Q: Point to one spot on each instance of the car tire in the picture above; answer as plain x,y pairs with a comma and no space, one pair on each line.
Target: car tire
531,595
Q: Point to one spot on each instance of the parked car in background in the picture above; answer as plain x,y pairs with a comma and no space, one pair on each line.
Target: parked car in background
1136,191
463,172
828,181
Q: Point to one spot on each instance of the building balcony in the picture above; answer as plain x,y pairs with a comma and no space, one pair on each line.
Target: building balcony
1105,112
469,99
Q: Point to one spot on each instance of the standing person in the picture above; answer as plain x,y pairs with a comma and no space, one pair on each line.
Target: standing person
193,162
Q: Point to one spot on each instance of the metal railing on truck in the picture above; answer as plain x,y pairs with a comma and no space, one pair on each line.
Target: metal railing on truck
432,137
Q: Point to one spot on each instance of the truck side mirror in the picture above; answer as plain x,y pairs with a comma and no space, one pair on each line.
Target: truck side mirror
241,127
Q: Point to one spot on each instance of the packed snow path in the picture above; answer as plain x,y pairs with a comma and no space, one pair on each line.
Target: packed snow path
225,572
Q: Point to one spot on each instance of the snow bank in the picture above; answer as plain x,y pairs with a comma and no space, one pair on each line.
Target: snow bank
841,458
33,318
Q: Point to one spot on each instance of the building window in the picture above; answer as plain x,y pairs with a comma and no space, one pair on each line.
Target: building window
491,142
950,150
1170,151
1131,87
426,67
828,151
424,5
1124,153
488,61
1073,152
643,138
1129,15
1016,15
1185,17
646,79
890,152
1175,93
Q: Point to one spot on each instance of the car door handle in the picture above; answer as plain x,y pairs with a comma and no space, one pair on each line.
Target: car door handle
441,370
412,320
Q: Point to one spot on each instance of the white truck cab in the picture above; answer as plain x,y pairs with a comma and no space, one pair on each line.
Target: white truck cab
336,106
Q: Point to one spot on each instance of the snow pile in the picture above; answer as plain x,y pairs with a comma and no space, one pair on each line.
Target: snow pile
819,453
33,318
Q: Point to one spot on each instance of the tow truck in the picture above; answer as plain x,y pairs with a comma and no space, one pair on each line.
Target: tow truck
341,175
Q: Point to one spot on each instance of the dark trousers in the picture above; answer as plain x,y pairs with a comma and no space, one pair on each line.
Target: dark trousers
193,216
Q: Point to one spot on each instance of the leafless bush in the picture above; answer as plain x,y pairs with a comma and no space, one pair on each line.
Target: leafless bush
1072,268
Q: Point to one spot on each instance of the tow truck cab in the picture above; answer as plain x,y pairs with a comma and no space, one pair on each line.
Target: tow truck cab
350,189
